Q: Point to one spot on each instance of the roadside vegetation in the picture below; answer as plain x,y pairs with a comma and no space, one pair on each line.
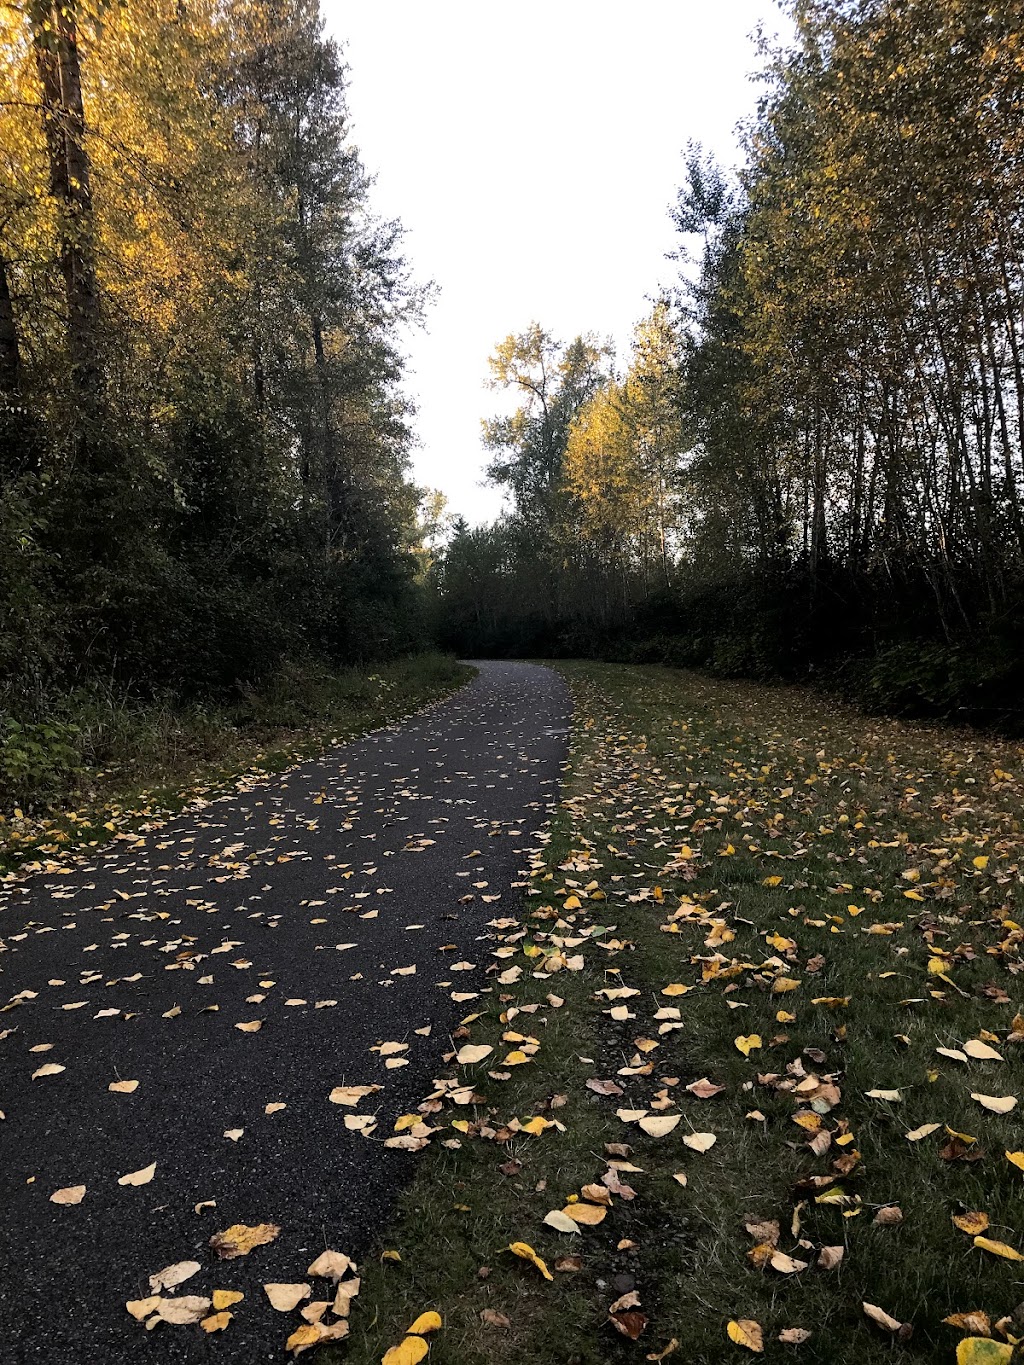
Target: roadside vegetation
748,1077
104,766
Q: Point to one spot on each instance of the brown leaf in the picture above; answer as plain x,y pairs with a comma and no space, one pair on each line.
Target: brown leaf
889,1217
491,1318
977,1323
604,1087
830,1257
568,1264
705,1089
630,1324
794,1336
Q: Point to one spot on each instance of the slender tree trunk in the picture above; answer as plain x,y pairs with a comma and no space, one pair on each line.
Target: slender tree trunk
10,356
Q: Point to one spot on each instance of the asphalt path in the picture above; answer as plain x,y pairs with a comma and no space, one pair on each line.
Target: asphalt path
299,903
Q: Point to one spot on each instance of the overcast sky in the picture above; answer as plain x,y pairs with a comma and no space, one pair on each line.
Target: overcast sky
532,150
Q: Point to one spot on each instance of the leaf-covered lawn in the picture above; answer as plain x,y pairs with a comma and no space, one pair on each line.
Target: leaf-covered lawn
757,1053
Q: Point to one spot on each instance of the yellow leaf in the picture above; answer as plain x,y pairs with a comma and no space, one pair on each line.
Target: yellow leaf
971,1223
782,984
527,1253
675,989
1016,1159
216,1322
747,1333
982,1351
746,1044
980,862
585,1214
772,881
408,1352
425,1323
240,1238
224,1298
1008,1253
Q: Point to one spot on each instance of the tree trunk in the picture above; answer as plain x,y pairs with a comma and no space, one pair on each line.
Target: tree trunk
55,39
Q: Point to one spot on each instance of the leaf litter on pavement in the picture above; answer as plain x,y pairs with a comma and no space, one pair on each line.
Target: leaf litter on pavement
828,904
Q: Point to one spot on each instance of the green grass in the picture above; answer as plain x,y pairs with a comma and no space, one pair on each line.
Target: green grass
110,765
757,783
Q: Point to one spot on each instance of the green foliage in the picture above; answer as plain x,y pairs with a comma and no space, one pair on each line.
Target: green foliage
37,760
203,440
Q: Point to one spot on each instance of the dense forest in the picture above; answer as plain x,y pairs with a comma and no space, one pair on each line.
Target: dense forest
811,464
203,437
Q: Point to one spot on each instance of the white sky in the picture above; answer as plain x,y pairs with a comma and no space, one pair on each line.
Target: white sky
532,150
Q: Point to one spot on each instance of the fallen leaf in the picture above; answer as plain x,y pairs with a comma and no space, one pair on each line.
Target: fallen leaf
184,1311
173,1275
253,1026
408,1352
981,1052
71,1194
123,1087
588,1215
140,1309
746,1332
747,1043
224,1298
981,1351
629,1324
657,1125
425,1324
704,1089
331,1265
977,1323
490,1318
881,1317
971,1223
285,1297
700,1142
142,1177
351,1094
527,1253
924,1131
1008,1253
794,1336
240,1238
997,1104
473,1053
561,1222
216,1322
50,1069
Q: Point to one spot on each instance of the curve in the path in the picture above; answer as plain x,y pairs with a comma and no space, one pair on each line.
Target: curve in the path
299,903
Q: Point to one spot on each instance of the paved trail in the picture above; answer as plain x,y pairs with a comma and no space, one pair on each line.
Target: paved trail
294,904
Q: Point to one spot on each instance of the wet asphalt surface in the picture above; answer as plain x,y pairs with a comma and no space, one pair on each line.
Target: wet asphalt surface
253,888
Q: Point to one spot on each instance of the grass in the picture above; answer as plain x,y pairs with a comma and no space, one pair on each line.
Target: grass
766,849
110,766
